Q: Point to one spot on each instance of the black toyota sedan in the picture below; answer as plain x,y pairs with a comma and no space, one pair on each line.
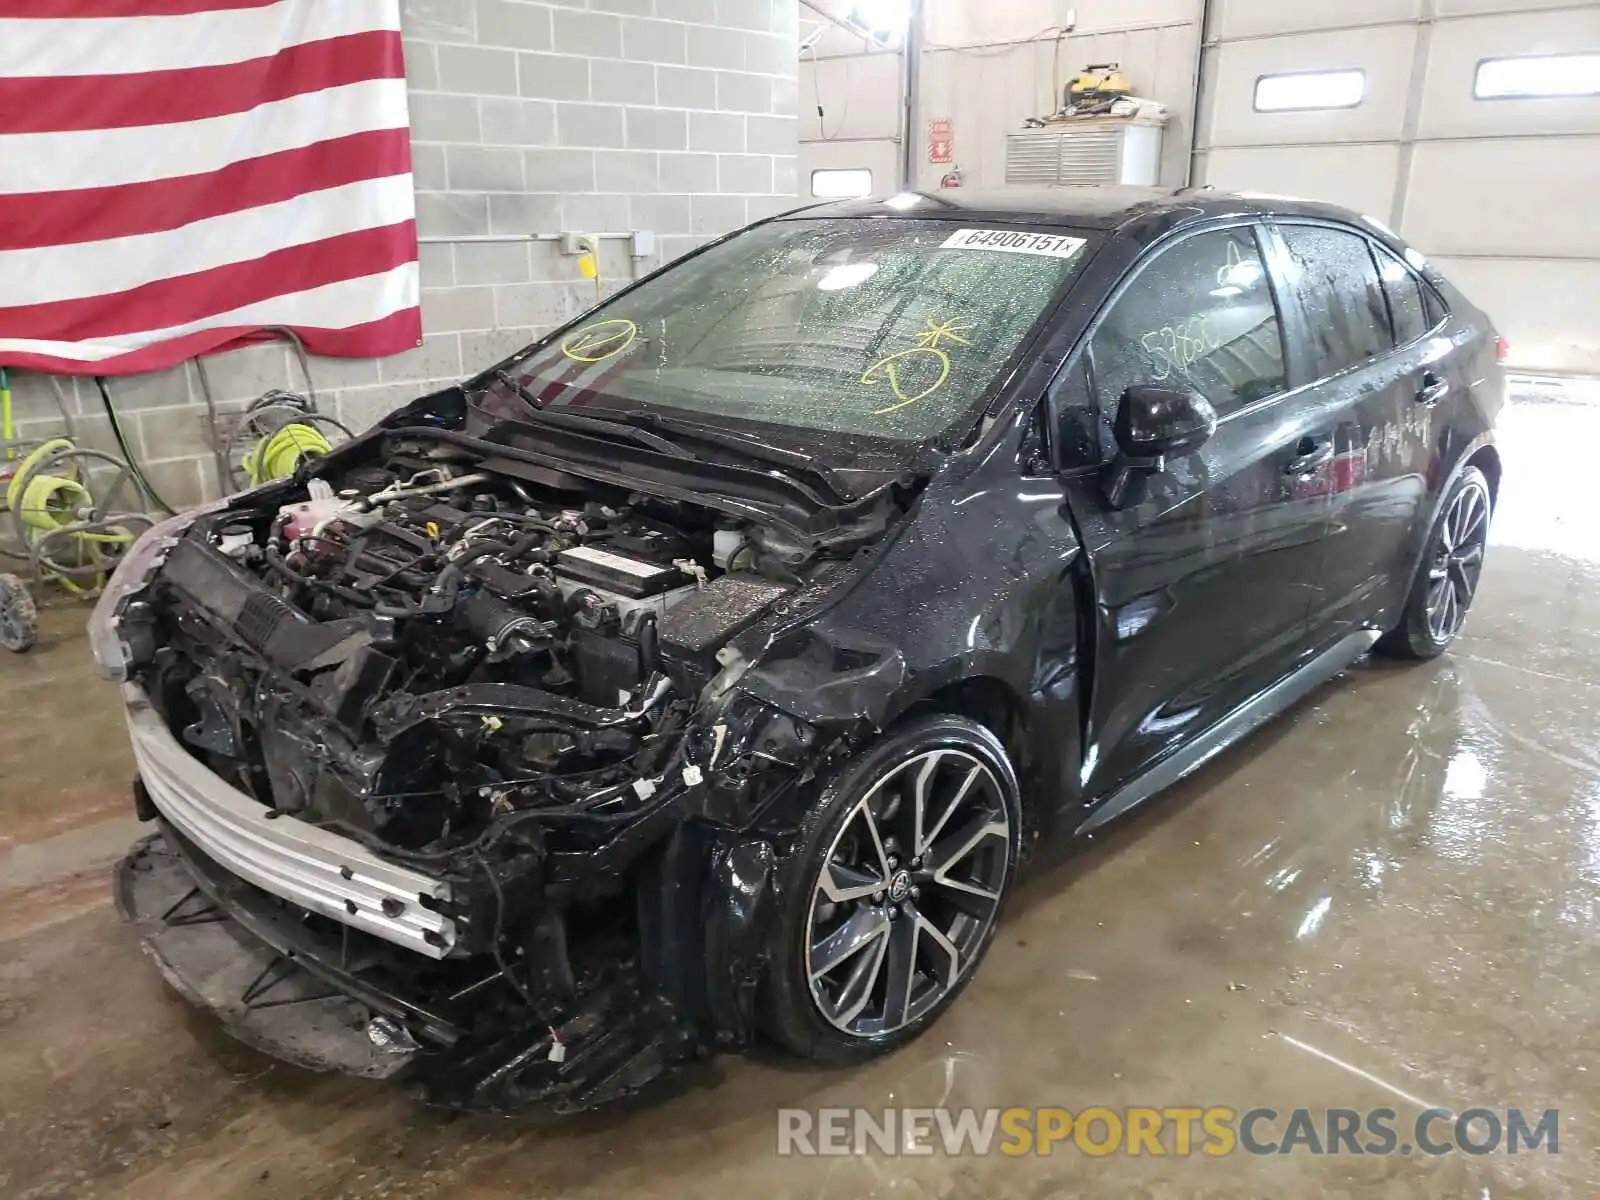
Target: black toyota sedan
708,668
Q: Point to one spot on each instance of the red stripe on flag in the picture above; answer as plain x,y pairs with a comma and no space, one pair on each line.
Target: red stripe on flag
374,339
73,9
94,214
66,103
182,299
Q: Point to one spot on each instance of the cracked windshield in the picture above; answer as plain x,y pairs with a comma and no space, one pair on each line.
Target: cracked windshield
886,328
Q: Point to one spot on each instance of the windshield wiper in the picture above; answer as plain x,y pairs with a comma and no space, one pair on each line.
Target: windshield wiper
591,424
637,424
516,386
750,447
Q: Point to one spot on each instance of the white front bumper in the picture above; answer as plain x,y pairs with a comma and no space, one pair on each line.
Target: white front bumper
311,867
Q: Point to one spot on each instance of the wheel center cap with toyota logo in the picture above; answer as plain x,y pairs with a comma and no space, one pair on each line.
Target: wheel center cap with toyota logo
900,886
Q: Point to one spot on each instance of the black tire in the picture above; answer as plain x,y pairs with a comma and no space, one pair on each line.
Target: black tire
1419,634
19,619
968,763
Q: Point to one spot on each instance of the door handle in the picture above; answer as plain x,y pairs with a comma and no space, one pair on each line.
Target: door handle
1433,390
1311,455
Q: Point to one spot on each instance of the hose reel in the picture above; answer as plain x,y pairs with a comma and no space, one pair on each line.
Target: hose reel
282,430
70,513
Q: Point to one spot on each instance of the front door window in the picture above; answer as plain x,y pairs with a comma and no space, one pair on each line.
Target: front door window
1200,315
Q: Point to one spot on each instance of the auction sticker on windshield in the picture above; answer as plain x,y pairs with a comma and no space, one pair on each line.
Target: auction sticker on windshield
1012,241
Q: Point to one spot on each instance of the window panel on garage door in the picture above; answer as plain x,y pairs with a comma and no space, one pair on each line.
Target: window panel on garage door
1342,295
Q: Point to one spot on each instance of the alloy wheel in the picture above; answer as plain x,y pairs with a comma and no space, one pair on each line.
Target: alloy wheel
908,893
1457,561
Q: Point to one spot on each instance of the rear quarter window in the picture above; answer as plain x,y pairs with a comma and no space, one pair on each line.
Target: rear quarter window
1342,295
1408,305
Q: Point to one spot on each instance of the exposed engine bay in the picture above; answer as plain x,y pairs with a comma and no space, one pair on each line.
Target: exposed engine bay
521,683
512,651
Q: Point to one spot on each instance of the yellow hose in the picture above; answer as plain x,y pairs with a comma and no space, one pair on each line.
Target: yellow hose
16,501
278,455
52,501
51,506
8,431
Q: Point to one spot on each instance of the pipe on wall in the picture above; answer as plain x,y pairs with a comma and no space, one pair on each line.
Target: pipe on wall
1200,58
910,98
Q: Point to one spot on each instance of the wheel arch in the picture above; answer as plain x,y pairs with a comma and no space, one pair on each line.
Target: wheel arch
989,701
1480,453
999,708
1487,459
1409,635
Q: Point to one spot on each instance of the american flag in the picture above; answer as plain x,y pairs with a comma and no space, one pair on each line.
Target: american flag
178,175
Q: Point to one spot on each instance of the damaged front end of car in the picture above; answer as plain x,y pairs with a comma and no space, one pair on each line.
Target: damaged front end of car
459,766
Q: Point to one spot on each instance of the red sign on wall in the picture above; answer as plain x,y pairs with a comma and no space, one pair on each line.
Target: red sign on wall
941,141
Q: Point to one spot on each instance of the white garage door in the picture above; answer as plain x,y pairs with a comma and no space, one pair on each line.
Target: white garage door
1399,109
852,146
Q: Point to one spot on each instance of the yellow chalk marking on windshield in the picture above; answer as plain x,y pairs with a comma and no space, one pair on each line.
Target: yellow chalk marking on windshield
890,368
600,341
928,339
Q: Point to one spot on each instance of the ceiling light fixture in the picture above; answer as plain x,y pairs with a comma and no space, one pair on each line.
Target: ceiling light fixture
882,20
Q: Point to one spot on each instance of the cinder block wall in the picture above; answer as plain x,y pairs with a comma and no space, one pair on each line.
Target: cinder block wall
528,116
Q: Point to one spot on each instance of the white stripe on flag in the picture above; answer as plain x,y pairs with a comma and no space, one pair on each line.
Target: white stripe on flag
131,45
93,158
333,306
81,269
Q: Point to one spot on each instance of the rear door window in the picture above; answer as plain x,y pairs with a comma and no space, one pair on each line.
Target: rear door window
1347,316
1407,305
1200,315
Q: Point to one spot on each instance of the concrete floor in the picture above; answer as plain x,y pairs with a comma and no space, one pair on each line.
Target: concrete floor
1389,898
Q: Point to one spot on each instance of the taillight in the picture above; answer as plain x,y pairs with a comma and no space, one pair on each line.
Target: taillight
1502,349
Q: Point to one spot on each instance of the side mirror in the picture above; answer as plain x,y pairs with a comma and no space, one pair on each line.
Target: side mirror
1153,423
